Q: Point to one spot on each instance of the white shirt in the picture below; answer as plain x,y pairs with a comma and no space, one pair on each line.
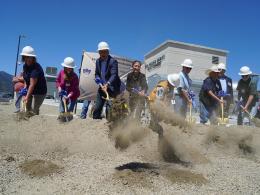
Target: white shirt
223,83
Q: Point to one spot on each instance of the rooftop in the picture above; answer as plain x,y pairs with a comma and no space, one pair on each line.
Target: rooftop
187,46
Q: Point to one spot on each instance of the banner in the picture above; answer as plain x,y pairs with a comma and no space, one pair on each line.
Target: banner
87,86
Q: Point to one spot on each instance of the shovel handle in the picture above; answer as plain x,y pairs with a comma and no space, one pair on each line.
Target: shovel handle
222,109
107,96
190,105
64,104
251,117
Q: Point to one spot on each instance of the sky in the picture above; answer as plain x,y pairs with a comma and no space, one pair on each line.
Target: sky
57,29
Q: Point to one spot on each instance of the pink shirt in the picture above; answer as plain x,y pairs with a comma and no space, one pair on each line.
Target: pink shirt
72,86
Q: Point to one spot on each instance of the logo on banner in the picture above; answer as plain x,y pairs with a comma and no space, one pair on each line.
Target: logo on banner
86,71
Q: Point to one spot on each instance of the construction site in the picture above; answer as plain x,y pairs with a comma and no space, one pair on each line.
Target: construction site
42,156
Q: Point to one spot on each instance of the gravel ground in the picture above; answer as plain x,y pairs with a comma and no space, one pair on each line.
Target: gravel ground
42,156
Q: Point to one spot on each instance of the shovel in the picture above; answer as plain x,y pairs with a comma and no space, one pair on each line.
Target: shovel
23,114
190,119
222,120
66,116
100,82
252,118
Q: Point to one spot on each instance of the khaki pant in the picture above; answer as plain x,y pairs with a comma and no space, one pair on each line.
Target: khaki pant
34,103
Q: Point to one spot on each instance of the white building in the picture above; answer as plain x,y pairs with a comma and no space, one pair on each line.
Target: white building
167,58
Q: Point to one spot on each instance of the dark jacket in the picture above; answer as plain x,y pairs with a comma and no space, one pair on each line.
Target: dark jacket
137,81
35,71
209,84
111,74
247,88
229,98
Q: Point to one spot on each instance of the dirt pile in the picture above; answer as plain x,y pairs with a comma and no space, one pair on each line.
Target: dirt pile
39,168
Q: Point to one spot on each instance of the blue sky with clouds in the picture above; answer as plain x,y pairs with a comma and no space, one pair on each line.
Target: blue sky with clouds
57,29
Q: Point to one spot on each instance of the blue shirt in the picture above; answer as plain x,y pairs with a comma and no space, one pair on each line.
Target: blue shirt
209,84
185,81
35,71
103,69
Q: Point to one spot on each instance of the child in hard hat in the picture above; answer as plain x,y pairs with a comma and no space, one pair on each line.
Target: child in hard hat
137,87
247,93
67,83
164,90
208,96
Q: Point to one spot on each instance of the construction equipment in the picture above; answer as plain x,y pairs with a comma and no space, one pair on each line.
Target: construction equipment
103,46
190,118
28,51
222,120
100,82
65,116
23,114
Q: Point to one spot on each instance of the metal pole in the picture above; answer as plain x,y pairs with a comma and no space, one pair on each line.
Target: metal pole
17,54
82,57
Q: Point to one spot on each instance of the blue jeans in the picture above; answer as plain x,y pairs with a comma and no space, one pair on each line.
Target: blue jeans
70,106
207,113
18,102
183,108
84,111
99,105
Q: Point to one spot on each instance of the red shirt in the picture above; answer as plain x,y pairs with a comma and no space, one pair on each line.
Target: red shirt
71,86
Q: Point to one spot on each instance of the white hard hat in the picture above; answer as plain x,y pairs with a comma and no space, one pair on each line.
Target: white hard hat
222,66
103,46
173,79
213,68
28,51
69,63
245,70
187,63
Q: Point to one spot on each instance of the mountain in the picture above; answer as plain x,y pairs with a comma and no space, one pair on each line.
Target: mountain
6,84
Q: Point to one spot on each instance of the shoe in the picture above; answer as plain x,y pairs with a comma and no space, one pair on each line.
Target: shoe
17,111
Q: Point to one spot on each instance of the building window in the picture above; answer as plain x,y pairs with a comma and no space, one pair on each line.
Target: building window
215,60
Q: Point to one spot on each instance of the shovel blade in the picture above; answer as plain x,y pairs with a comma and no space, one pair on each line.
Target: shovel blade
65,117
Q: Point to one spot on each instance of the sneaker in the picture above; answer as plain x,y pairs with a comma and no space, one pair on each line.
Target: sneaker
17,111
83,117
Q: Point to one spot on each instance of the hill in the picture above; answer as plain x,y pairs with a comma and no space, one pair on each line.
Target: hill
6,85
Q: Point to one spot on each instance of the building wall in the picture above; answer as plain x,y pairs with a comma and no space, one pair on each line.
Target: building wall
51,85
201,61
175,56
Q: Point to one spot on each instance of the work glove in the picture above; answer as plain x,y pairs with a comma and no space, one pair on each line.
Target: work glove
23,92
63,93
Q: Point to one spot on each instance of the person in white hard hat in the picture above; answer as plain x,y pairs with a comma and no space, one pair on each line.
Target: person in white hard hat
35,81
106,72
247,93
185,86
163,93
67,83
208,96
227,88
164,90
